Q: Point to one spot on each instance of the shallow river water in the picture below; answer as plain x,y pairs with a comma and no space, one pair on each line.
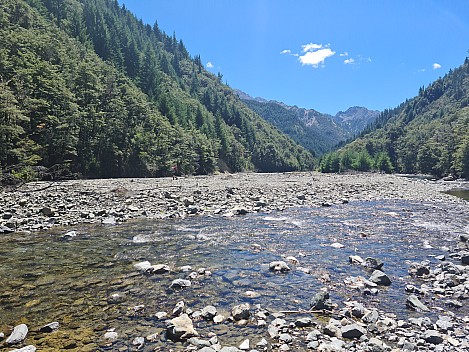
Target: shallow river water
45,277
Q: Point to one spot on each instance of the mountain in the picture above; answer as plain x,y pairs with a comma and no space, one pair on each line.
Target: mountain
313,130
427,134
88,89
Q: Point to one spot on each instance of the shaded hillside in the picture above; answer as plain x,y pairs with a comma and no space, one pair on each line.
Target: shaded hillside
313,130
87,88
428,134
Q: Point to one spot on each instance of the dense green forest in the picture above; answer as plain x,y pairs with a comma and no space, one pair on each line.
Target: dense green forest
428,134
87,89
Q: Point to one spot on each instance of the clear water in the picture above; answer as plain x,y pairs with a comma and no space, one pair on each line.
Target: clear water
46,278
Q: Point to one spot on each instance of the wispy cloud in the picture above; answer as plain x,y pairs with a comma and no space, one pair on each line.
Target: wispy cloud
359,60
311,47
349,61
283,52
344,54
436,66
210,65
421,70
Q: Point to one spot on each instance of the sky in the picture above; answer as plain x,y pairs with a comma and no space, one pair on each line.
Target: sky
326,55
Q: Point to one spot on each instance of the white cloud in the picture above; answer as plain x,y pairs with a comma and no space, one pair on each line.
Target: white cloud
421,70
311,47
314,58
285,52
349,61
210,65
344,54
436,66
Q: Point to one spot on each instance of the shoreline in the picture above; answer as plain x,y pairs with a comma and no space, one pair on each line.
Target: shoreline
39,206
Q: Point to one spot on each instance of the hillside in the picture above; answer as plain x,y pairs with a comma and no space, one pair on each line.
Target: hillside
313,130
87,89
428,134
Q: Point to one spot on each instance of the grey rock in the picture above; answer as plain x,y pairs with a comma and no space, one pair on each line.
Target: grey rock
178,308
373,263
313,335
335,345
352,331
358,310
50,327
180,283
180,328
371,317
321,300
279,266
241,311
6,229
29,348
111,335
464,238
433,337
244,345
229,349
138,341
199,342
414,303
209,312
18,335
207,349
380,278
303,322
419,269
333,328
285,338
464,257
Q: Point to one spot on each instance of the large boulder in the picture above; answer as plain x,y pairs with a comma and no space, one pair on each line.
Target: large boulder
380,278
180,328
352,331
279,266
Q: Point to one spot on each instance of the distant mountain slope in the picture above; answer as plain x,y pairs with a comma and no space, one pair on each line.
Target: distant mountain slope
313,130
88,88
427,134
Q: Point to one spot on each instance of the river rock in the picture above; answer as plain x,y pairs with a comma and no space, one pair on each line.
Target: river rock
138,341
464,257
29,348
380,278
321,300
244,345
464,238
159,269
279,266
352,331
18,335
419,269
180,283
50,327
178,308
373,263
111,335
241,311
180,328
414,303
143,266
304,322
433,337
209,312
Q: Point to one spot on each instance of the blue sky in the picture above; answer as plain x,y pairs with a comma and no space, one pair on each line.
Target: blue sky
326,55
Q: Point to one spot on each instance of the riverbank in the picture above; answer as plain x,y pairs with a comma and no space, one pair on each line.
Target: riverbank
41,205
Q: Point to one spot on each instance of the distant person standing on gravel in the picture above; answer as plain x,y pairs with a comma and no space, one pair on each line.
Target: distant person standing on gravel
174,171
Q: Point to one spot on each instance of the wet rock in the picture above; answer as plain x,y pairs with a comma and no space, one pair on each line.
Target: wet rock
279,266
292,260
433,337
464,257
161,315
380,278
218,319
69,235
50,327
371,317
321,301
352,331
18,335
373,263
111,220
229,349
180,328
414,303
464,238
143,266
241,311
333,328
180,283
159,269
337,245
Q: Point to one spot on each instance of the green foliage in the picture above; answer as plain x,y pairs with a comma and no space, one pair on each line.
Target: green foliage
427,134
85,85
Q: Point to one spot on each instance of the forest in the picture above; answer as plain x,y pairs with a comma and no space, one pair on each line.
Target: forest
88,90
428,134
